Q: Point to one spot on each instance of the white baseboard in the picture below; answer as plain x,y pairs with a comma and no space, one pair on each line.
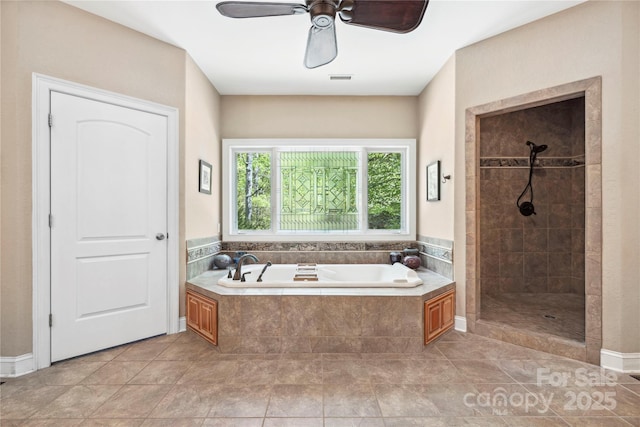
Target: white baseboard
460,324
620,362
182,324
16,366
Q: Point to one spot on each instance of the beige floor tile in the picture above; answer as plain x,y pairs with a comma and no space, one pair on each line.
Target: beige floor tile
112,422
354,422
115,373
25,403
161,372
405,400
481,371
299,371
535,421
255,372
295,400
627,402
173,422
51,422
78,402
233,422
212,372
292,422
634,421
596,422
444,422
69,372
346,371
350,400
234,401
132,401
181,380
186,400
146,350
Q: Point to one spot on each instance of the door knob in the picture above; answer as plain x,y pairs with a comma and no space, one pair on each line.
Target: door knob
160,236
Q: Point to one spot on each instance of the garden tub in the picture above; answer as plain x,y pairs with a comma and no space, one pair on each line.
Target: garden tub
325,276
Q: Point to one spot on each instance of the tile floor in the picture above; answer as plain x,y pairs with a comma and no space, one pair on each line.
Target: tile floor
179,380
527,311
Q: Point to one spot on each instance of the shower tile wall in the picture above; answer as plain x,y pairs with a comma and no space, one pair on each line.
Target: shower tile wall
544,252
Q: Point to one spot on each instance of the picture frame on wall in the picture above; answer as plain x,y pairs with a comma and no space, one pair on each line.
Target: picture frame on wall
433,181
204,184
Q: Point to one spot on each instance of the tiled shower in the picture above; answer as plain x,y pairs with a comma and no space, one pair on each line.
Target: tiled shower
532,268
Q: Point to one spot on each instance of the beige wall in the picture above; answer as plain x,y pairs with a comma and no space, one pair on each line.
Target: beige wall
202,136
64,42
596,38
592,39
319,117
202,142
437,136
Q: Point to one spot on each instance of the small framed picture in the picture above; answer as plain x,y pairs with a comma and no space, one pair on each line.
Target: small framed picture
433,181
205,177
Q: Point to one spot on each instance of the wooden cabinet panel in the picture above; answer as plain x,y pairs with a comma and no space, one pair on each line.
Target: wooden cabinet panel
208,320
193,313
202,316
439,315
448,308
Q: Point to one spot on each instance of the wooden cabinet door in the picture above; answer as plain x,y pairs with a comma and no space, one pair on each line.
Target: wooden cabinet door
433,319
209,320
439,315
448,310
193,312
202,316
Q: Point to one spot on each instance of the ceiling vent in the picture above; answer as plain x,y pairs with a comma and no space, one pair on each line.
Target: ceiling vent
339,77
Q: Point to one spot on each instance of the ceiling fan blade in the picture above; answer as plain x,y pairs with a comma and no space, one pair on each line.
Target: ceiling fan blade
241,9
401,16
322,46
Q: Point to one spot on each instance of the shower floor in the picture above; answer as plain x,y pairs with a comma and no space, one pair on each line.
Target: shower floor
557,314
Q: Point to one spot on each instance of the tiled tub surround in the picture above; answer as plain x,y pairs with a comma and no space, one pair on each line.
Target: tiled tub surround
319,252
435,254
558,218
200,253
320,320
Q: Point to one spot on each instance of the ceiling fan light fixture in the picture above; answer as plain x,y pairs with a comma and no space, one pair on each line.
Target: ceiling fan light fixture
399,16
322,14
322,21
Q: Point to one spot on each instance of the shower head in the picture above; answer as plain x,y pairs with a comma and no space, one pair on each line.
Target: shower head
536,148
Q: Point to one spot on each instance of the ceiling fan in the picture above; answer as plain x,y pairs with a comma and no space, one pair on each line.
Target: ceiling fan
400,16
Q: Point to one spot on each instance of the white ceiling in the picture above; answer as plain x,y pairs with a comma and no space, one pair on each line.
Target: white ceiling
264,56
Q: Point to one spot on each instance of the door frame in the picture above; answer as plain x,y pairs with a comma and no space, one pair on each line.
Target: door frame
42,86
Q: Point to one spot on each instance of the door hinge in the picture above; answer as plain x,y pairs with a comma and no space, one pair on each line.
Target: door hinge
50,221
50,120
50,320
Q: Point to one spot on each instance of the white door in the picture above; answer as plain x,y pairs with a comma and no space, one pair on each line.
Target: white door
109,223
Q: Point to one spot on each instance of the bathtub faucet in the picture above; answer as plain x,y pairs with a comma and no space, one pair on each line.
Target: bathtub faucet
238,274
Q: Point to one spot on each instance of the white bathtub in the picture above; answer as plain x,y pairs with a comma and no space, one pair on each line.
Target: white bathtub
328,276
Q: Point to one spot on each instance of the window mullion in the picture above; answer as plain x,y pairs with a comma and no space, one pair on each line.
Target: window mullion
363,189
276,199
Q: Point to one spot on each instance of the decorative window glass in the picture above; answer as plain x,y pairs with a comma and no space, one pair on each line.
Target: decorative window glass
319,189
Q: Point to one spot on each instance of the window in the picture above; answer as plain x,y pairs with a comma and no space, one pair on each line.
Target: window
319,189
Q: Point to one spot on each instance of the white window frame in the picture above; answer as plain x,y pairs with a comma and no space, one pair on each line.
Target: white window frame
407,147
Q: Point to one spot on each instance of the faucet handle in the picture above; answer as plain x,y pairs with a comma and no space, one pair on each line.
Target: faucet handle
229,276
244,274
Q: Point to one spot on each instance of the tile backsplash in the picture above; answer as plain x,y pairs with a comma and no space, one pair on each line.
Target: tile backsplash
435,254
200,253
